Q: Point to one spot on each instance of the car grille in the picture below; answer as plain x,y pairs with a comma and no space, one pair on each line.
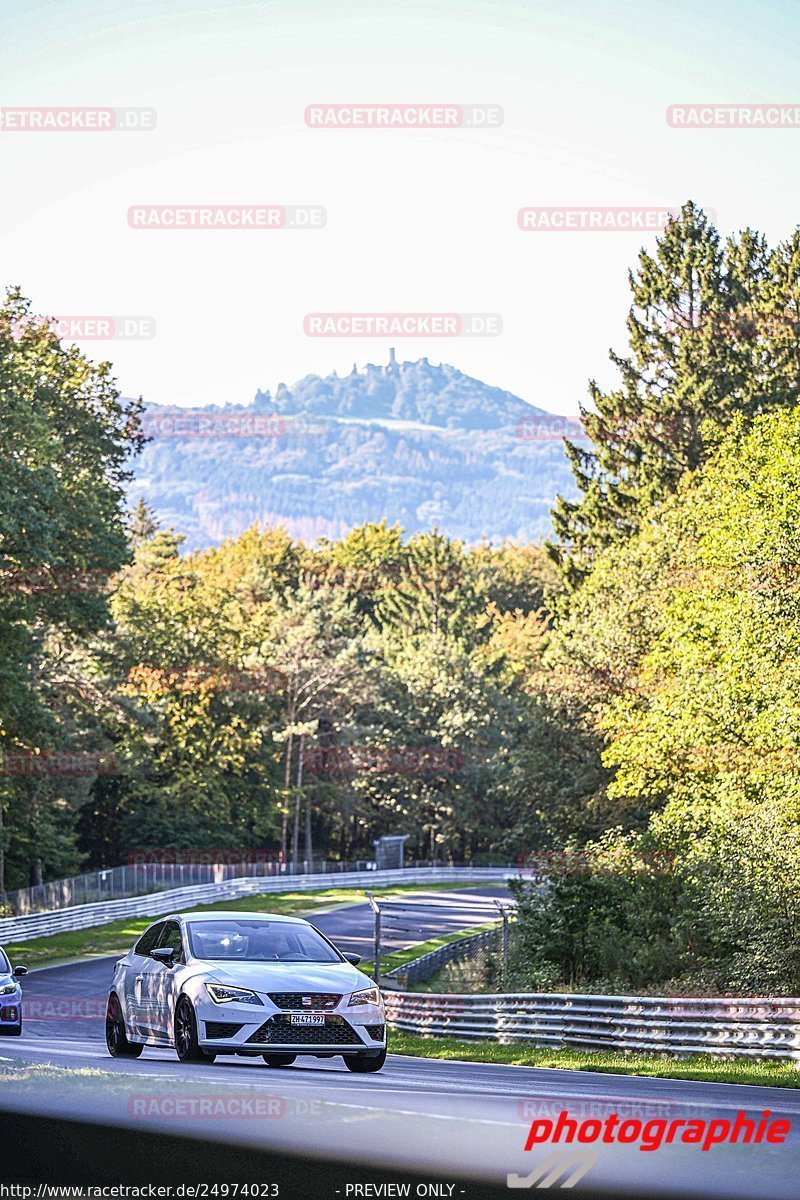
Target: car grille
294,1000
278,1030
221,1029
376,1032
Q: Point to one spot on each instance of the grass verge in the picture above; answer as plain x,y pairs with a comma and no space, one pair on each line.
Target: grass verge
704,1067
120,935
400,957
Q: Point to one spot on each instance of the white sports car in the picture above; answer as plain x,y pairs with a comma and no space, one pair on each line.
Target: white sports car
244,983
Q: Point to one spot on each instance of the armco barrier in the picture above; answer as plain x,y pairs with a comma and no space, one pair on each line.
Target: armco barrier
735,1028
85,916
430,964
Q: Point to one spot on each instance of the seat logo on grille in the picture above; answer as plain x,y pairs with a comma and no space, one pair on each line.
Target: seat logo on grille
308,1001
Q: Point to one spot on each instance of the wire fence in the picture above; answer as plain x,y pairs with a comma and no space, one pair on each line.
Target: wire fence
143,878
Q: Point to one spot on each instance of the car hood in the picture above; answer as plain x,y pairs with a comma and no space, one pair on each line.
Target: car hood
290,977
6,979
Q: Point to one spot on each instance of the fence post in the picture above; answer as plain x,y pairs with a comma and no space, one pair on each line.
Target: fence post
373,903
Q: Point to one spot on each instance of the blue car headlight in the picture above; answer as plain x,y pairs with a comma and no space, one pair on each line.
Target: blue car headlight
7,989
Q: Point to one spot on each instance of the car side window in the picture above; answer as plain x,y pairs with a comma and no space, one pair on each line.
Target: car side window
149,939
171,937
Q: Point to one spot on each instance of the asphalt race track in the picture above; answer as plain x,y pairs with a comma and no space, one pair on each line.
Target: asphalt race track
446,1118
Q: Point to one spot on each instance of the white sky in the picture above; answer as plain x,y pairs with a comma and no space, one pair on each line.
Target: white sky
417,221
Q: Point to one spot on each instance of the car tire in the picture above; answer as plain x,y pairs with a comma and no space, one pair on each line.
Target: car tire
362,1064
117,1042
16,1031
279,1060
186,1044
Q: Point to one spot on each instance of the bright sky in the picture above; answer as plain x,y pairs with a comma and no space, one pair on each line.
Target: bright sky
416,221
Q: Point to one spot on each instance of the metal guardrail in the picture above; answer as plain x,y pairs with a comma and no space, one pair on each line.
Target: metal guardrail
85,916
141,878
735,1028
430,964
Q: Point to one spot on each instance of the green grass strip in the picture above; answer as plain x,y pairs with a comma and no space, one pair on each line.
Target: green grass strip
120,935
704,1068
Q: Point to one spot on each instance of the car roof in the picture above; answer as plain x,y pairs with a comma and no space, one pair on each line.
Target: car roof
235,915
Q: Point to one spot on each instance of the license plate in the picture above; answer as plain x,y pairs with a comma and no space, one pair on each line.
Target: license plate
306,1019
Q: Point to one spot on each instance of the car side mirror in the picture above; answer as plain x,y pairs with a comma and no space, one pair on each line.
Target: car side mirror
18,972
353,959
165,955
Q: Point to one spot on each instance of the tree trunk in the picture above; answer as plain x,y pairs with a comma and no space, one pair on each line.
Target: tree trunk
297,801
287,781
309,847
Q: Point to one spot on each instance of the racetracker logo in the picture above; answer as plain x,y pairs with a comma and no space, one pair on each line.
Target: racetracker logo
56,581
734,116
379,760
594,220
403,116
190,424
399,324
227,216
87,329
232,1107
77,120
534,429
57,764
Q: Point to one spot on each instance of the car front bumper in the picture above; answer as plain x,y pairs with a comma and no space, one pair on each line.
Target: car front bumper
264,1029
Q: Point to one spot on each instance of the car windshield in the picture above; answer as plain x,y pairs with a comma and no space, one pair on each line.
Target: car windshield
5,965
259,941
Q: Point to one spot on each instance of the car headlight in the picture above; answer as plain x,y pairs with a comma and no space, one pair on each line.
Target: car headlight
221,994
367,996
6,989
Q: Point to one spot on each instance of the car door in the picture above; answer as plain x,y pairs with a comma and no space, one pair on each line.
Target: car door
161,982
135,1000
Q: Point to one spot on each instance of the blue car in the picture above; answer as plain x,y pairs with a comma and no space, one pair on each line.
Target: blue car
10,997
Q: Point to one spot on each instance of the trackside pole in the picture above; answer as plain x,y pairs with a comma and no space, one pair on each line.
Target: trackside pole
373,903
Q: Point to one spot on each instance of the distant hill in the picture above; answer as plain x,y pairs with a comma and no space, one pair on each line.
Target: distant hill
419,444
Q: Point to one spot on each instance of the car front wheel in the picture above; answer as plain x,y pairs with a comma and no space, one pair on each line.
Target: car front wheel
186,1044
116,1037
362,1064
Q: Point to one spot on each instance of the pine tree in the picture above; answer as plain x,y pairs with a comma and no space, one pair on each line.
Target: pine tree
690,367
143,523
